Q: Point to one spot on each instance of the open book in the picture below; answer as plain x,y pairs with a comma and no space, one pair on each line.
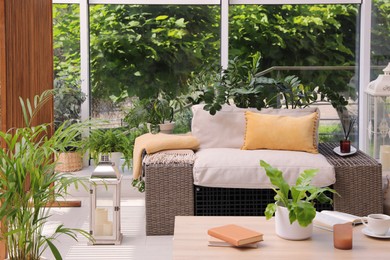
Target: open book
326,219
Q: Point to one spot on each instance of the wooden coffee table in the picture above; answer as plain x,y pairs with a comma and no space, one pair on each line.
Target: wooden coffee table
190,241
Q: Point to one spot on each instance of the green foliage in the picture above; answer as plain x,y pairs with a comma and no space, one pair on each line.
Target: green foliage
299,199
106,141
66,42
68,98
141,49
242,84
139,184
138,50
28,181
154,110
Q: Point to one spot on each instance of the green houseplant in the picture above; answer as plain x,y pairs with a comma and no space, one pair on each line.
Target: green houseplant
111,141
156,112
28,182
298,200
68,98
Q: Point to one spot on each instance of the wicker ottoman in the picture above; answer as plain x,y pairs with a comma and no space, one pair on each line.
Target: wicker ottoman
169,190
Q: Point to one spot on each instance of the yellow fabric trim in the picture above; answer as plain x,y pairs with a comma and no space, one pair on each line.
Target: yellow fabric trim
153,143
278,132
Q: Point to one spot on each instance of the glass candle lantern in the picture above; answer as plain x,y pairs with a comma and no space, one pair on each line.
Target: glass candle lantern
105,184
378,106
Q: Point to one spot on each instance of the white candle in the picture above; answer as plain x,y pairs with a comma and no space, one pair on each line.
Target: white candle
107,228
101,215
98,230
385,157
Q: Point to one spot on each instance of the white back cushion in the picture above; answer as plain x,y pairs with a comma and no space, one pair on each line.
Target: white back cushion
226,129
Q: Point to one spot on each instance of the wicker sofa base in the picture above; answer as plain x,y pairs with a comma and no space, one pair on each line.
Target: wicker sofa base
236,202
170,192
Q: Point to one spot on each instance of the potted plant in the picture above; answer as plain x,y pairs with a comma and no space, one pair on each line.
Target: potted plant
156,113
114,142
294,208
68,98
28,182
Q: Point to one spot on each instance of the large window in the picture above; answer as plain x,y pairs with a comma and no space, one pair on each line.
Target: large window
316,43
139,50
136,49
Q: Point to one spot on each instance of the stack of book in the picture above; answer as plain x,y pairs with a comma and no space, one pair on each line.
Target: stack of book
234,235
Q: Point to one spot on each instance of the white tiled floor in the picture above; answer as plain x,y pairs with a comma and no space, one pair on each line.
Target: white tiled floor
135,244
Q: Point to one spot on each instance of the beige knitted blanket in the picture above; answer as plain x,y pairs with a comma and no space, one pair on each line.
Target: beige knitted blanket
152,143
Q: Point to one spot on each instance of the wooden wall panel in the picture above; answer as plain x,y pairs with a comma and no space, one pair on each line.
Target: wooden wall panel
26,60
27,67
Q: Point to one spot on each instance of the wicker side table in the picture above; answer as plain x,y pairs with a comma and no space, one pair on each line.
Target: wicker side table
169,190
358,181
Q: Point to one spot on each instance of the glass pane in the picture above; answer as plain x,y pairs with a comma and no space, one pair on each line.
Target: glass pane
316,43
104,211
139,50
66,44
378,108
380,37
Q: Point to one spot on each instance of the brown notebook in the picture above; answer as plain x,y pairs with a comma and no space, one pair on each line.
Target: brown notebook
235,235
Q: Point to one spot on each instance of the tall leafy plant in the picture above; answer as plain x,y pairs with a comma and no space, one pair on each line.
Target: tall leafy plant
28,182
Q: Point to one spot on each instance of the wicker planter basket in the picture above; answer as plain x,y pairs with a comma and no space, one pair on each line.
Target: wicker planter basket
69,162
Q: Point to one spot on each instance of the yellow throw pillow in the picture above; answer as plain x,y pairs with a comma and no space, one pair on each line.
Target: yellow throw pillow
278,132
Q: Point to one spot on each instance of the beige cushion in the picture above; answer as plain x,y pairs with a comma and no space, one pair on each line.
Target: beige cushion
278,132
235,168
226,129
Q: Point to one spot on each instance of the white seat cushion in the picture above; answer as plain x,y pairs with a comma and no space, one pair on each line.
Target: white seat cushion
235,168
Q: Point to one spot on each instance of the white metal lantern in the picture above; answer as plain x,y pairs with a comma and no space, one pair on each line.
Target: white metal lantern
378,129
105,183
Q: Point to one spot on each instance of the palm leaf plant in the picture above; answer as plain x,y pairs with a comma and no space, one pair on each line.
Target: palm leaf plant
28,182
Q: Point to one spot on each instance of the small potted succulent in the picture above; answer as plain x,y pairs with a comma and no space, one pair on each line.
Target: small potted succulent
294,208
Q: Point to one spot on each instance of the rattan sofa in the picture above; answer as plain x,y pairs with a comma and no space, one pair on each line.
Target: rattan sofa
172,190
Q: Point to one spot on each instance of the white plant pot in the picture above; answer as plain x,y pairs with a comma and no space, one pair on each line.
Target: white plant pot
293,231
167,128
115,157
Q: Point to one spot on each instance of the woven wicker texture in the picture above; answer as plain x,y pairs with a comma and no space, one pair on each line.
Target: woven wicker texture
168,193
69,162
358,181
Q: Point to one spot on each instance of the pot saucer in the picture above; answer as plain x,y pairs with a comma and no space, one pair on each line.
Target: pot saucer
338,152
367,232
